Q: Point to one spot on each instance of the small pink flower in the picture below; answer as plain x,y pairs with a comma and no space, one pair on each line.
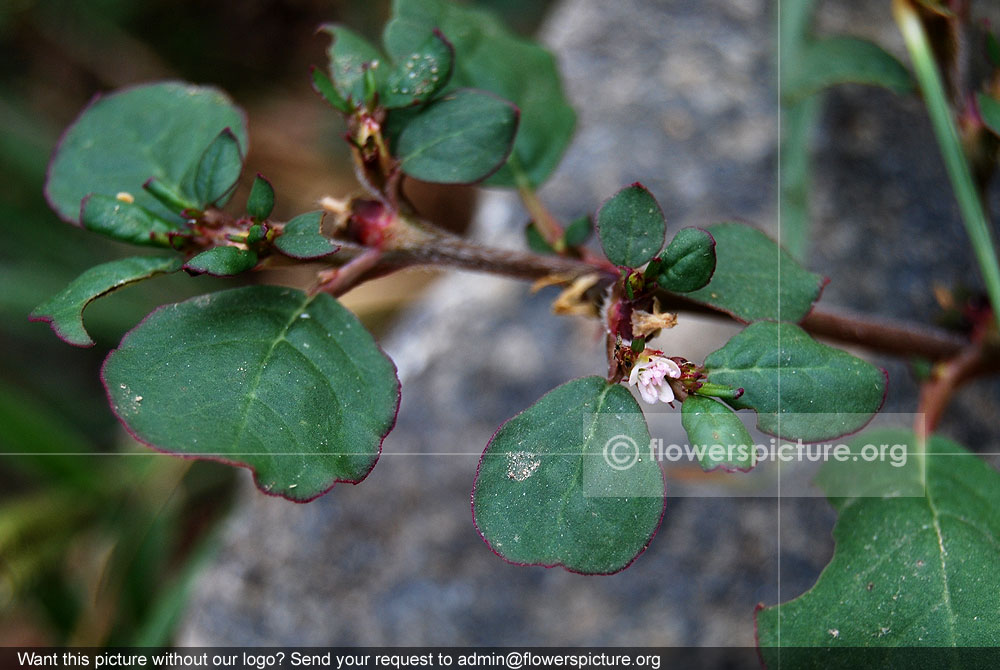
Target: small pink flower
650,374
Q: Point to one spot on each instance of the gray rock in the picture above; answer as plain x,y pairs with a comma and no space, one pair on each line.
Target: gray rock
679,95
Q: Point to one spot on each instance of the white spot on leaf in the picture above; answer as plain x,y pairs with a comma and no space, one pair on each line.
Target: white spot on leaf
521,465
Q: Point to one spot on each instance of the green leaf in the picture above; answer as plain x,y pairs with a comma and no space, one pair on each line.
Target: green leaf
712,425
459,139
350,56
121,140
800,389
218,170
490,57
224,261
845,60
256,233
323,85
578,231
291,386
64,311
569,481
920,569
631,226
125,221
535,240
301,238
989,109
420,76
260,204
688,262
756,279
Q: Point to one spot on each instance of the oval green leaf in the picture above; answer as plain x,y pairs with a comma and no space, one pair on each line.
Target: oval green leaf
458,139
64,311
570,481
631,226
264,377
224,261
301,238
419,76
488,56
755,279
123,139
724,440
218,170
260,203
350,56
921,569
844,60
800,389
688,261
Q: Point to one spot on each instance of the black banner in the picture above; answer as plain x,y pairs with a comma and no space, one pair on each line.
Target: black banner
400,658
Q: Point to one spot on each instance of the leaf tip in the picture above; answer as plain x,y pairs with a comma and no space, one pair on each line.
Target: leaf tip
84,341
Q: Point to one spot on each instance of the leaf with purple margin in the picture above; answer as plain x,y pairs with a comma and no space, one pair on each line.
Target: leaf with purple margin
688,262
123,139
916,564
488,56
800,389
224,261
570,481
631,226
710,424
218,170
458,139
260,202
301,238
64,311
265,377
756,279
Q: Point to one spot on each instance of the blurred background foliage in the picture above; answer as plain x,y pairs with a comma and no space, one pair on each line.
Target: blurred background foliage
99,536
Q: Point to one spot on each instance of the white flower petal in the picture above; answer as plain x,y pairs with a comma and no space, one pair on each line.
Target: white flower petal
648,394
633,377
666,393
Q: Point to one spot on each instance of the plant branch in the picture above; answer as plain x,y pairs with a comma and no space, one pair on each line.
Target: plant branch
448,250
898,338
946,377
